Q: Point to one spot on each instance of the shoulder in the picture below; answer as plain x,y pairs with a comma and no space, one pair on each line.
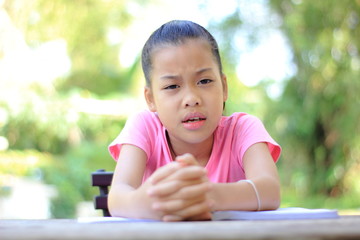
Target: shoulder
141,130
238,119
144,115
239,126
144,118
243,128
248,130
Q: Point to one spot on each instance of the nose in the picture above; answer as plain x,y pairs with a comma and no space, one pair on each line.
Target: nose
192,97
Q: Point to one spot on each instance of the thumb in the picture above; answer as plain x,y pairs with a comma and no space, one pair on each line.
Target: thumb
186,159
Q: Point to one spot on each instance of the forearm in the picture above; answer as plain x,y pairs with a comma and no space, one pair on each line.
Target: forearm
124,201
241,195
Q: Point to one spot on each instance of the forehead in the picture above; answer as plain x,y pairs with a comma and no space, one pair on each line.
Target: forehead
189,53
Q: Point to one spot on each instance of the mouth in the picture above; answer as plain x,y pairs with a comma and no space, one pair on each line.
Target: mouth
194,119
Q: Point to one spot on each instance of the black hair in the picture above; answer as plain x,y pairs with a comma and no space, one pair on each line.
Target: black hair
176,32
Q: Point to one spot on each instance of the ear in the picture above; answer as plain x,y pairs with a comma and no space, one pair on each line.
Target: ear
225,87
149,97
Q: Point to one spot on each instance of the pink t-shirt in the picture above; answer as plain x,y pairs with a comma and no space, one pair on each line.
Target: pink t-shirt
233,136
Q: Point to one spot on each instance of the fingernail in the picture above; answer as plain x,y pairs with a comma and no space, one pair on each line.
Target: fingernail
177,163
151,180
150,192
182,163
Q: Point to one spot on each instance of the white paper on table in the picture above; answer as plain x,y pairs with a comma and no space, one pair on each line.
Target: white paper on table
279,214
112,219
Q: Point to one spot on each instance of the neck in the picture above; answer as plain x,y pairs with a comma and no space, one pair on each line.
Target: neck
201,151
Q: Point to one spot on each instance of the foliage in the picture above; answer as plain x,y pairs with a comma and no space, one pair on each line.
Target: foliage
46,119
66,147
241,98
21,163
317,117
71,174
86,26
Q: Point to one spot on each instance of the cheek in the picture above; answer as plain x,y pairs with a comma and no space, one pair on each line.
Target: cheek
218,97
168,100
165,107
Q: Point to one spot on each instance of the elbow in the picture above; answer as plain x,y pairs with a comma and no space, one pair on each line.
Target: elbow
110,204
113,204
272,199
273,204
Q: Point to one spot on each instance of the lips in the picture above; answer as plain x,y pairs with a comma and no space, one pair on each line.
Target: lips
194,121
194,117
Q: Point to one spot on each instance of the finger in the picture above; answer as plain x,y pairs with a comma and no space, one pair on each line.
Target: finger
182,178
176,172
185,197
187,159
172,218
204,216
192,191
164,172
164,189
193,210
175,205
187,173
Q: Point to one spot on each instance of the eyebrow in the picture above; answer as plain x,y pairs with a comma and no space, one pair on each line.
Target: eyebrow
202,70
171,76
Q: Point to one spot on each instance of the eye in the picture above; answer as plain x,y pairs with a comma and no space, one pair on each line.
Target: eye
172,87
205,81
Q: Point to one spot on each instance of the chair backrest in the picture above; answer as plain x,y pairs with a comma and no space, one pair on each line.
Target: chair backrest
102,179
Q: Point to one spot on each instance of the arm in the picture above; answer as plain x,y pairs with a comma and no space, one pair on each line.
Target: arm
127,197
260,168
174,192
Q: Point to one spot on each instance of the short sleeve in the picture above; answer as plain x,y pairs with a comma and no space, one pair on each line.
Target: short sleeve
137,132
252,131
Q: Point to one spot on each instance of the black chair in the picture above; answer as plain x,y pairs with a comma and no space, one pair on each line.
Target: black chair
102,179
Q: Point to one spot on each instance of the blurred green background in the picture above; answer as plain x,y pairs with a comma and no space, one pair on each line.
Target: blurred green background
70,76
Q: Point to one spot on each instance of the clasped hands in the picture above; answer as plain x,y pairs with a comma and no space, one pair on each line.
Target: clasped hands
180,191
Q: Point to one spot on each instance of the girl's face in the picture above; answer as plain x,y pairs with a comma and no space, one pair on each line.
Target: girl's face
187,91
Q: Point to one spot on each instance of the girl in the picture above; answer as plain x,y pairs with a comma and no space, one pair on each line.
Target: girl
182,159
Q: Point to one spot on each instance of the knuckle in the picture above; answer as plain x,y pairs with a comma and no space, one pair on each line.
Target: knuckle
176,185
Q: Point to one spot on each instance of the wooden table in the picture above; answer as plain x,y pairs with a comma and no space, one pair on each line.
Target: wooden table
346,227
